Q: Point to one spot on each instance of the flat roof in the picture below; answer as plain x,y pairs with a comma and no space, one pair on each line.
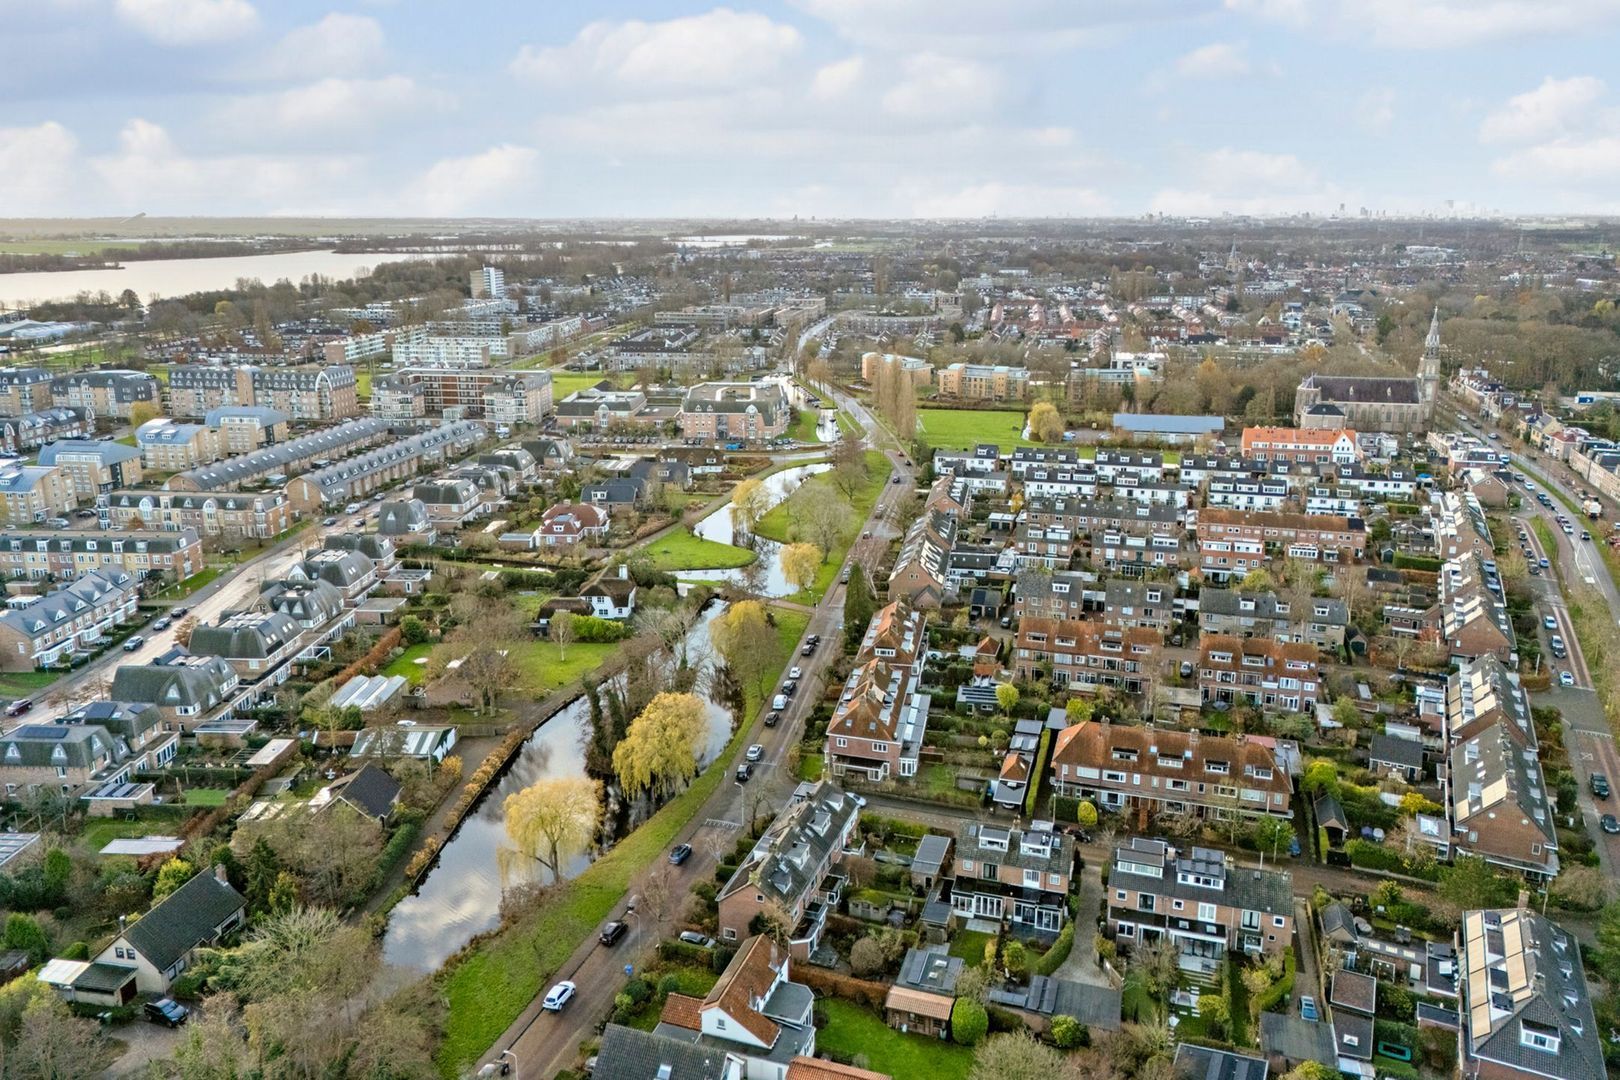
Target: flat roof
13,844
139,846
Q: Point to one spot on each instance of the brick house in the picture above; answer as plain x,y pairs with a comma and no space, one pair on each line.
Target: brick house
1318,446
1261,671
1085,655
1233,542
878,725
1017,877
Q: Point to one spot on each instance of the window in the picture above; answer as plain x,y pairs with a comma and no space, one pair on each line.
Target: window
1276,920
841,742
1177,905
1206,912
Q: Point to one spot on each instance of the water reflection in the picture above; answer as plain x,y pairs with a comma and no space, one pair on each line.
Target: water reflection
762,577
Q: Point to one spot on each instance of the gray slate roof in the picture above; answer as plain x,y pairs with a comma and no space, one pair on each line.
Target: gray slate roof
630,1054
245,635
371,791
332,442
197,681
184,919
79,596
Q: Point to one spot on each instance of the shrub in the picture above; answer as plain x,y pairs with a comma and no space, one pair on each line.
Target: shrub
668,985
594,631
1068,1033
679,952
1004,1020
1278,991
866,957
969,1022
76,951
831,983
638,990
1058,953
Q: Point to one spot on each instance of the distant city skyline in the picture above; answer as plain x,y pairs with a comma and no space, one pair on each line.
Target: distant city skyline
824,108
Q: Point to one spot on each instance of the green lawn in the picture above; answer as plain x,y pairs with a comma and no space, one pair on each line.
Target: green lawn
778,523
810,766
494,982
405,663
969,946
362,385
99,832
206,796
1549,542
545,672
804,428
962,429
22,683
564,383
852,1029
681,550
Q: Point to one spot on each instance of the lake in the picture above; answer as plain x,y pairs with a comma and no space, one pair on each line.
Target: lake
176,277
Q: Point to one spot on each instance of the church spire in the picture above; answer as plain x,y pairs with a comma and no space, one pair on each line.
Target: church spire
1429,366
1431,344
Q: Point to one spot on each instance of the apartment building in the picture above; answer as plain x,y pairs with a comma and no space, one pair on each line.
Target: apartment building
245,428
792,873
168,446
1321,622
1524,1006
71,619
314,394
1201,905
1260,671
364,474
33,493
257,516
30,430
283,459
878,725
1148,771
753,412
184,688
254,643
24,390
67,555
1233,542
983,382
106,393
1085,655
95,466
599,408
915,369
1016,877
498,395
1316,446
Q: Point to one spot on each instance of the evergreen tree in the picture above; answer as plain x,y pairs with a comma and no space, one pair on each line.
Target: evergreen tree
858,607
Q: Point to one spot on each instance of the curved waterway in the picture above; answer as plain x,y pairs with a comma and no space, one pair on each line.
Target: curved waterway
762,577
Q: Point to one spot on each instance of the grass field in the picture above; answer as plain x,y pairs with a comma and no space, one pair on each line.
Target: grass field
491,985
961,429
778,523
545,672
852,1029
804,428
14,684
405,663
681,550
206,796
564,383
362,385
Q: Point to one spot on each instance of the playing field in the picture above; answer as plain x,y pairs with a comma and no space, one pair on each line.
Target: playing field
961,429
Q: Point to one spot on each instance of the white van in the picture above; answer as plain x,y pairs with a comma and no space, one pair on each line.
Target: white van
779,702
352,508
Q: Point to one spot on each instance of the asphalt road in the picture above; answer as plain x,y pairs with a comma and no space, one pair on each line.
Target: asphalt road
542,1043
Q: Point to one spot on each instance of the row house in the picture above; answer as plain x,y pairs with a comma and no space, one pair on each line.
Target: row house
1498,803
1196,470
982,460
1018,878
64,556
1147,771
1261,671
72,619
254,643
244,428
1248,493
185,688
377,468
282,459
1325,499
29,431
106,393
1060,594
1198,904
1151,492
1483,693
1039,544
922,568
792,873
1319,446
59,757
878,725
1321,622
1471,618
1085,655
1233,542
1060,481
1126,466
34,493
1132,554
1149,604
1459,527
95,466
351,573
256,516
1391,485
1026,458
755,1022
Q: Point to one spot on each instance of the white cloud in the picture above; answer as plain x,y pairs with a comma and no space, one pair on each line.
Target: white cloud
715,50
1015,27
1550,110
835,80
190,22
330,106
482,182
1375,110
1217,60
940,88
37,169
350,44
1434,24
1007,200
1578,160
1248,182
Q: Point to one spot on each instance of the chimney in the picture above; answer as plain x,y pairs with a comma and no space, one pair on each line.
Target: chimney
220,875
122,923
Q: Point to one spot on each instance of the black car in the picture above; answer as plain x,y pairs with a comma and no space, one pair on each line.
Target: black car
744,772
612,932
808,649
680,853
178,611
166,1011
1610,825
773,718
1600,785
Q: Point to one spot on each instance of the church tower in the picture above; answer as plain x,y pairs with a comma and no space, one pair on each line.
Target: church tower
1429,366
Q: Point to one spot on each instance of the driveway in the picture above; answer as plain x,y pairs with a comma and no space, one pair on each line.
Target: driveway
1082,966
143,1044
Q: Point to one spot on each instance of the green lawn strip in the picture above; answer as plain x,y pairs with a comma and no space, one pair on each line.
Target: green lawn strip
405,663
1238,1000
1549,543
778,523
847,422
682,550
22,683
852,1029
962,429
804,428
545,671
491,984
968,945
206,796
564,383
1137,1004
99,832
810,766
362,385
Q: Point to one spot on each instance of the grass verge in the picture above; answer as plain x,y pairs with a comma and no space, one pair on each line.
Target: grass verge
22,683
487,987
778,523
852,1029
682,550
962,429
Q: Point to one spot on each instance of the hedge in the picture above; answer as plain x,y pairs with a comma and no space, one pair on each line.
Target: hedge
870,994
1036,772
1059,952
1279,991
590,630
393,851
682,953
1425,563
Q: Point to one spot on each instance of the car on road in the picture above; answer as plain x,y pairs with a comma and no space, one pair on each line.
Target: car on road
329,522
1535,571
1610,825
133,642
1307,1008
20,706
843,579
163,622
1558,649
756,752
1549,622
1585,535
692,937
773,718
612,932
1566,678
1600,785
866,535
679,854
744,772
779,702
808,649
558,996
795,673
858,800
166,1011
790,688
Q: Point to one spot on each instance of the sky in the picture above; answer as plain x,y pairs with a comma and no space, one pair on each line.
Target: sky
809,108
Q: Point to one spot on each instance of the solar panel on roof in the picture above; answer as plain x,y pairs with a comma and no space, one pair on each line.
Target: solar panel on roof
40,731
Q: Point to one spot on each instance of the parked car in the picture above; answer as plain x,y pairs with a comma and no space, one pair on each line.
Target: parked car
1186,668
692,937
612,932
329,522
773,718
1600,785
1549,622
679,854
756,752
1566,678
779,702
133,642
166,1011
795,673
20,706
1610,825
808,649
1307,1008
558,996
744,772
790,688
163,623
